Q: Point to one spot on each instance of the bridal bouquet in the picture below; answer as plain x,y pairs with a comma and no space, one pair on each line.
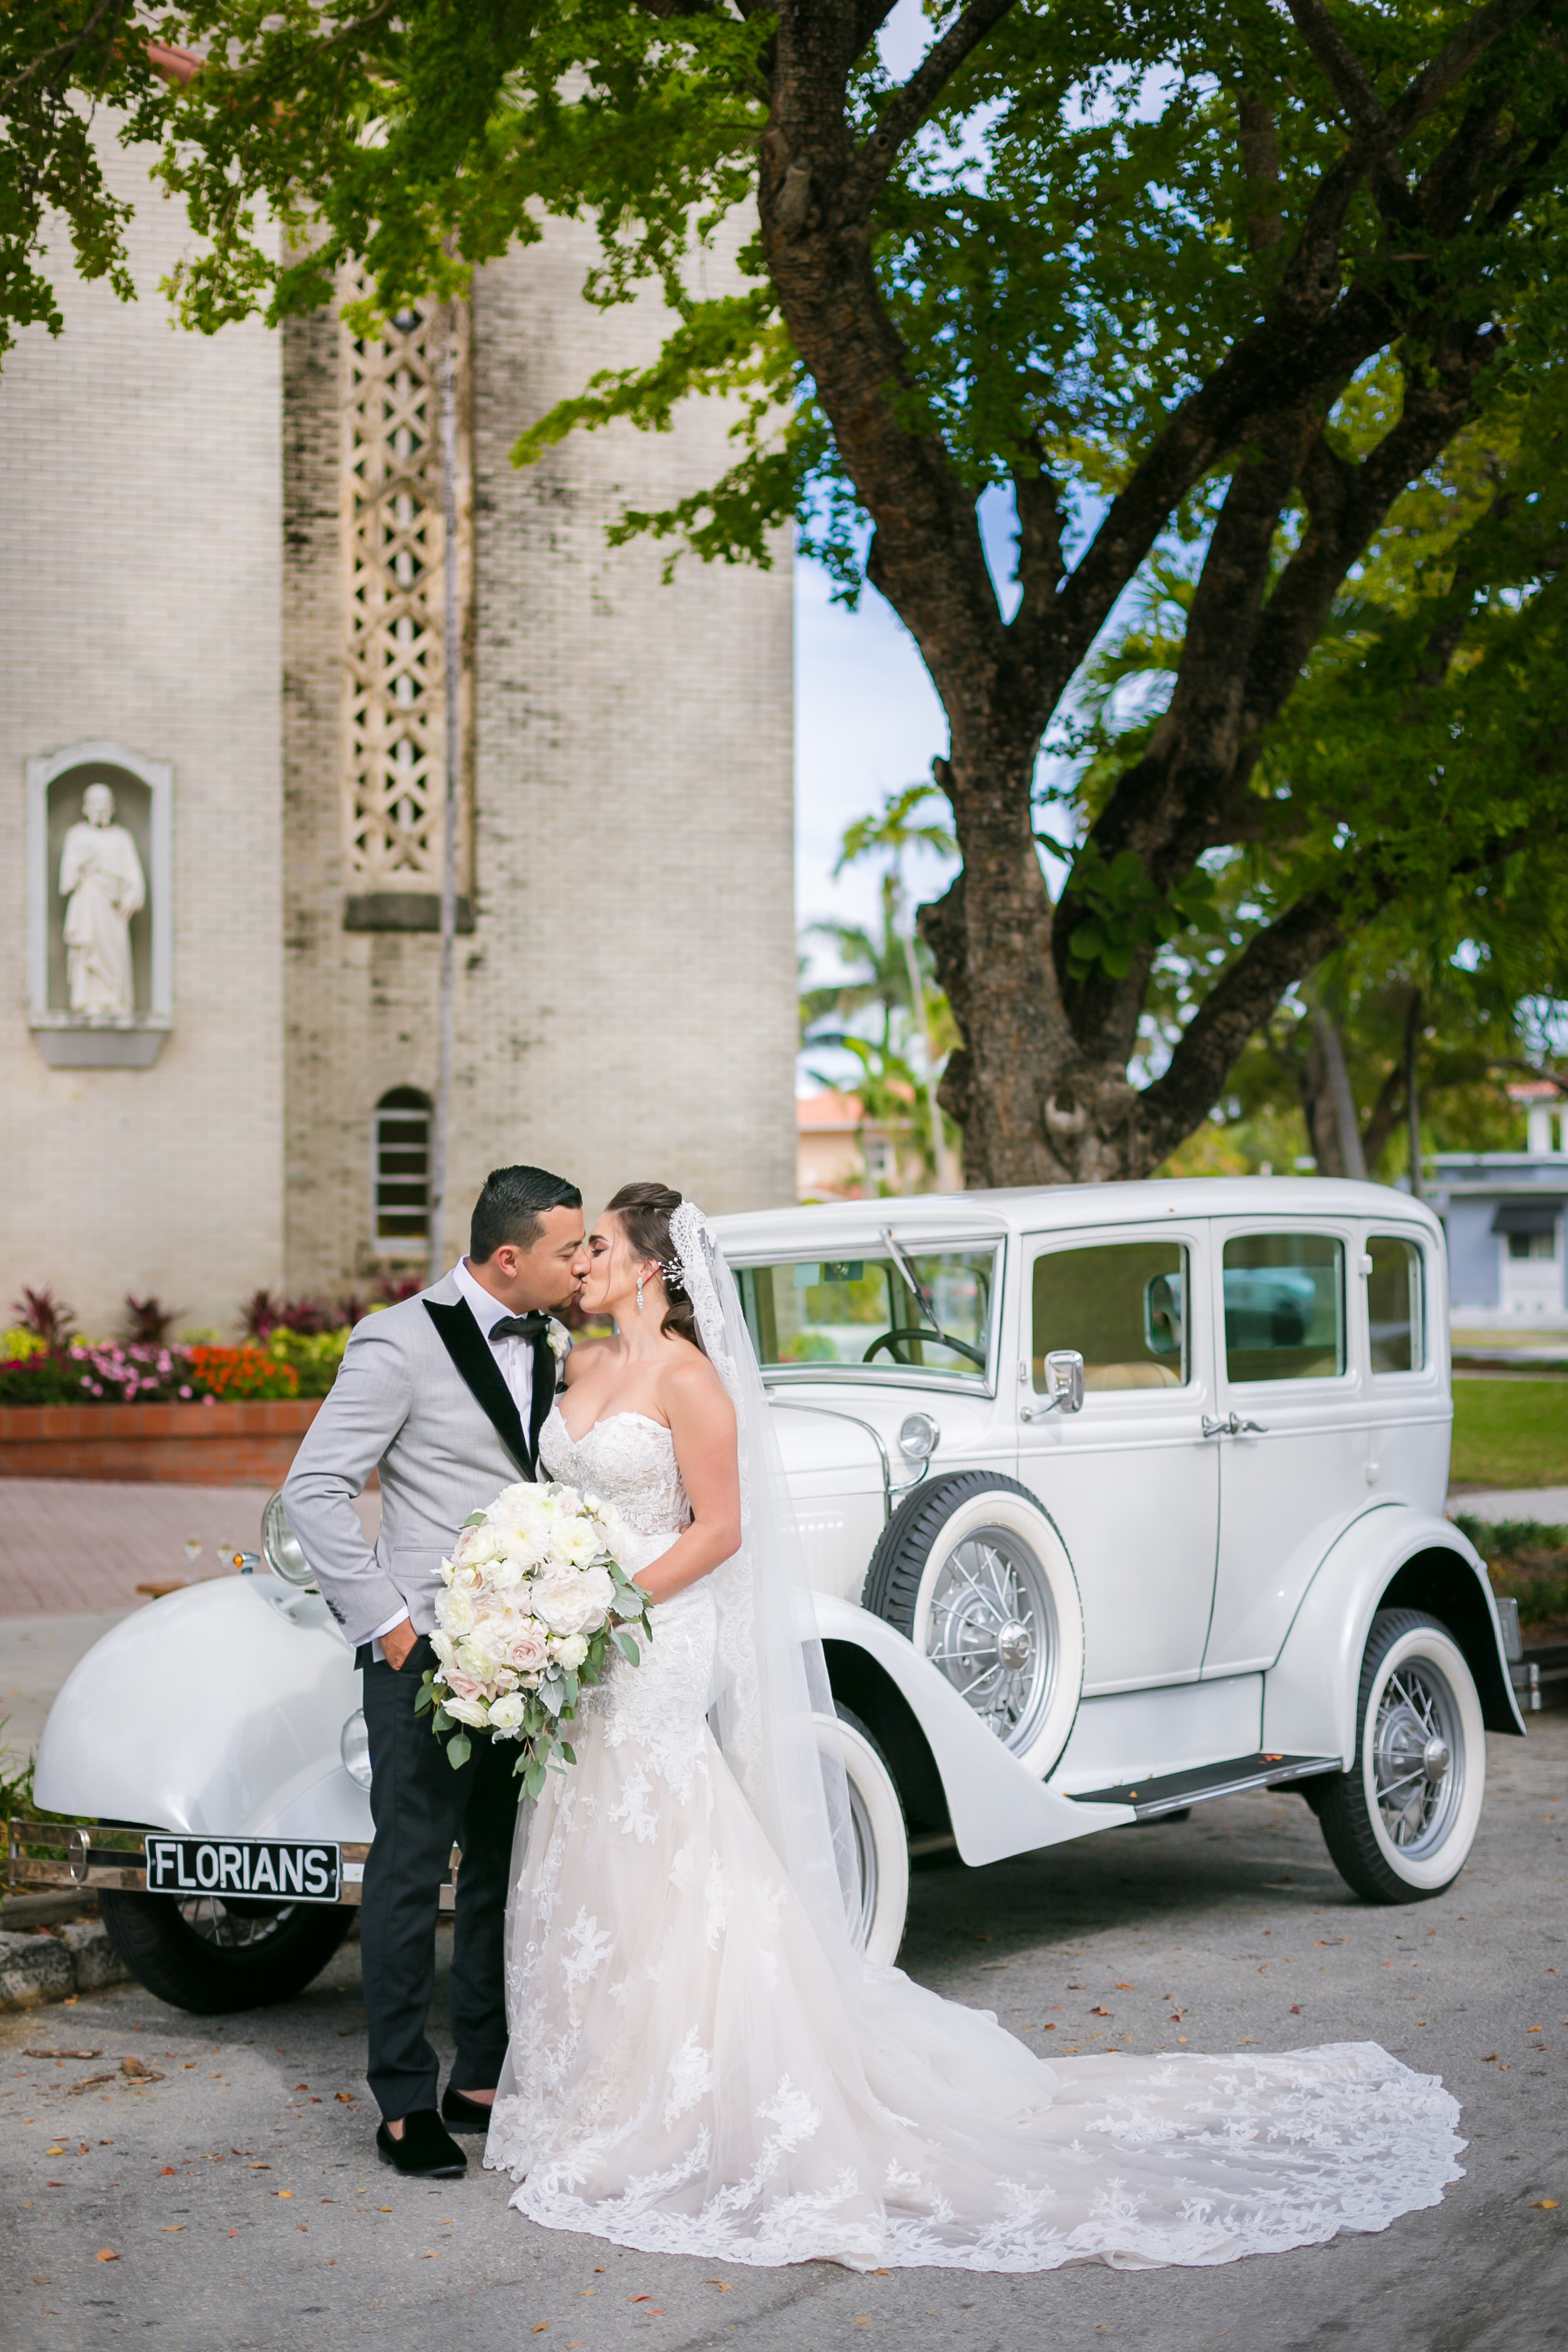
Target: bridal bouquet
536,1603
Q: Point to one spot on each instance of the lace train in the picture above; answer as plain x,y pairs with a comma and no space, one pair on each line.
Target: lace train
689,2075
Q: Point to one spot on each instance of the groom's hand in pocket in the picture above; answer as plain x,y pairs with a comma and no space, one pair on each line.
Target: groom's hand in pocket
397,1646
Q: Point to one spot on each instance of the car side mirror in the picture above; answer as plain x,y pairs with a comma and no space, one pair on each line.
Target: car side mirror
1064,1385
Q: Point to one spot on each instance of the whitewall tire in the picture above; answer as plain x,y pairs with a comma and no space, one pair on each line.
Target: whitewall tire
1401,1822
881,1839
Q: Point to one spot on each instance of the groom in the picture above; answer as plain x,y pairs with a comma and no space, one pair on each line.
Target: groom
444,1396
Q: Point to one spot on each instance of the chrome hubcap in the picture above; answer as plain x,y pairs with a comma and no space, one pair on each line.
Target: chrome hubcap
1417,1758
993,1632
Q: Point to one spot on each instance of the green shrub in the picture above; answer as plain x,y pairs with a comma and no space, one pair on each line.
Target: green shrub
314,1355
1527,1560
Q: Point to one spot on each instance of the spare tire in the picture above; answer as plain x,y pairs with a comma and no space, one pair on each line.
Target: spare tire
972,1570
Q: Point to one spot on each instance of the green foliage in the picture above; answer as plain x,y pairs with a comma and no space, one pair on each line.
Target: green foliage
1126,910
1527,1562
315,1356
61,61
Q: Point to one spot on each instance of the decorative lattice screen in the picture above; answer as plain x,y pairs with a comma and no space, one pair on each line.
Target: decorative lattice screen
393,540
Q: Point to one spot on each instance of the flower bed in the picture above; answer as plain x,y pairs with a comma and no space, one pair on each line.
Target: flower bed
105,1372
211,1444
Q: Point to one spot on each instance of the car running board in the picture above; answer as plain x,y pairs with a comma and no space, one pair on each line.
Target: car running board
1172,1792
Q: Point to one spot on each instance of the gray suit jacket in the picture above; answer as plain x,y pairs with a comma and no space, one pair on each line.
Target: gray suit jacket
399,1406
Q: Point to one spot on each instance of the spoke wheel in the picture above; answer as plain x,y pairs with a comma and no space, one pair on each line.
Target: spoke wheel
971,1569
213,1957
993,1632
881,1838
1401,1822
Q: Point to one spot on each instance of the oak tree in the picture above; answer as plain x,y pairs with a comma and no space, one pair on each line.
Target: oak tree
1224,278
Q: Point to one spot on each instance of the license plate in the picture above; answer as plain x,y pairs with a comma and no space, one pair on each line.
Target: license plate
286,1870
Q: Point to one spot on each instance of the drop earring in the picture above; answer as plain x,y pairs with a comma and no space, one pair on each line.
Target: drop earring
641,1279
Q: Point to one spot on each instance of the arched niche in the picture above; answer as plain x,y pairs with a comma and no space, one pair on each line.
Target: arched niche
58,785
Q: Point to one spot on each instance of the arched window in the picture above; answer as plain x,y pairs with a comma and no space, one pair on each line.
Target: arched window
402,1172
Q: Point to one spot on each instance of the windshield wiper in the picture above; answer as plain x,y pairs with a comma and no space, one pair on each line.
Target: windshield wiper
921,1298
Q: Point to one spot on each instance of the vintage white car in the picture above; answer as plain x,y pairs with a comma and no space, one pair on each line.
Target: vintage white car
1116,1499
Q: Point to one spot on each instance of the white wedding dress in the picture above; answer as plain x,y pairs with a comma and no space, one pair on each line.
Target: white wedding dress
689,2074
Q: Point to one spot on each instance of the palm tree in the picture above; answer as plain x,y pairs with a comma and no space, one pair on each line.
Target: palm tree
892,971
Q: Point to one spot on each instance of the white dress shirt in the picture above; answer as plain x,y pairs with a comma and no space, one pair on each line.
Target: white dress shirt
515,1357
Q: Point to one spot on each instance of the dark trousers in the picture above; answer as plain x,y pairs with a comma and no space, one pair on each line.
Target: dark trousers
422,1809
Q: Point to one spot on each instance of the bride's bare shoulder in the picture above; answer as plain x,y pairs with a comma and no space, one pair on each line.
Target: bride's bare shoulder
580,1356
690,1380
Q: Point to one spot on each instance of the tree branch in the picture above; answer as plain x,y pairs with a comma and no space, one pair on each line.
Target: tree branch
908,107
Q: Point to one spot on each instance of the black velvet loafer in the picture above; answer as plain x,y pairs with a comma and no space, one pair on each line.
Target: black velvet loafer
427,2150
464,2114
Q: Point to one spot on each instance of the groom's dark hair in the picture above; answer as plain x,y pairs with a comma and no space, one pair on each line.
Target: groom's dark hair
512,1209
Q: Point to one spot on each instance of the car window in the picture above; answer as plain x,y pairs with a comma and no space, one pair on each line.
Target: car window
1395,1303
860,1312
1284,1307
1122,1305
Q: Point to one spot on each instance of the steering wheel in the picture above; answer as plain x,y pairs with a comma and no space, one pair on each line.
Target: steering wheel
889,1340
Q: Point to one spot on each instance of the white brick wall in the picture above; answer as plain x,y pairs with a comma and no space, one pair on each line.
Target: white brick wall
626,1002
140,486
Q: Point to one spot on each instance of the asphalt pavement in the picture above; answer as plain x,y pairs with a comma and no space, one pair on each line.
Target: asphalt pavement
228,2196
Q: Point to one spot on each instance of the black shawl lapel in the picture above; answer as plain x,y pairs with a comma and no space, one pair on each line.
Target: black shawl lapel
471,1353
542,1395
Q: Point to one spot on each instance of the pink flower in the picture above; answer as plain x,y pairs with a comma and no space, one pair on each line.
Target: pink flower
526,1652
462,1685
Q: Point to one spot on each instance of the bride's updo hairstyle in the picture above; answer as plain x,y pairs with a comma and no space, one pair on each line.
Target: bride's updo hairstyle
645,1212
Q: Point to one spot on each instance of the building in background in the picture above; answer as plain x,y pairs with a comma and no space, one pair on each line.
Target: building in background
1503,1211
843,1155
224,600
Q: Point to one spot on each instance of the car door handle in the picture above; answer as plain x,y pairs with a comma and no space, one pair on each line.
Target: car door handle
1233,1425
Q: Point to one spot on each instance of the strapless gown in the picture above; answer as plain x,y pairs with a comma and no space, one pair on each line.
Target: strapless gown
688,2076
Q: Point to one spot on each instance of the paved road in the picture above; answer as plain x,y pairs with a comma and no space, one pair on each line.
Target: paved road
241,2196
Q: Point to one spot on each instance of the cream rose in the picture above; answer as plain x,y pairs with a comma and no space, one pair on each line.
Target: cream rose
467,1710
570,1600
506,1714
569,1650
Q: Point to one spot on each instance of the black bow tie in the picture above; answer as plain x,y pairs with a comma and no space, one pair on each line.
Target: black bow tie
531,1326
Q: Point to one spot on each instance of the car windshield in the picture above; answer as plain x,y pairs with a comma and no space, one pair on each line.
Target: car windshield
862,1312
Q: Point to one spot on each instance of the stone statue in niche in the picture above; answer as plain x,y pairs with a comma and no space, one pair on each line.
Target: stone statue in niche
103,886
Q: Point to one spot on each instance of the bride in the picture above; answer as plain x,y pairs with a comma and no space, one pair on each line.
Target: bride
699,2062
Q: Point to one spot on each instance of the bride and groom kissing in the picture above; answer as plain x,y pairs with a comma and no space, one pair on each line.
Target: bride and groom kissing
660,2020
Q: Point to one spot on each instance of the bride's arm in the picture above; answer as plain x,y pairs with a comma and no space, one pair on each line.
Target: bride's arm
702,1424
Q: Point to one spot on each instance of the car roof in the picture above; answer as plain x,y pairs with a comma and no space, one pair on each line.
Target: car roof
1046,1207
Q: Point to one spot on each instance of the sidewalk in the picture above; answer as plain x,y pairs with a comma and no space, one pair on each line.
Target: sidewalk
1547,1504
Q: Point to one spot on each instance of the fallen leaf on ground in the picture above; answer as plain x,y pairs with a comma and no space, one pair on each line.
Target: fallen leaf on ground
168,2173
134,2070
62,2053
1546,2204
172,2229
722,2285
1100,2013
107,2254
345,2098
283,2192
1122,1988
88,2083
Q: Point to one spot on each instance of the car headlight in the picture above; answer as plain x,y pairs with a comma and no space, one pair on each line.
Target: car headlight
280,1545
355,1749
919,1437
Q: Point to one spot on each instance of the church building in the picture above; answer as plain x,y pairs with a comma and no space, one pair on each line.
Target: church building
221,790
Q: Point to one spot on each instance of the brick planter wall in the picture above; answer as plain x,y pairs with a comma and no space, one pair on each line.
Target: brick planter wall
177,1445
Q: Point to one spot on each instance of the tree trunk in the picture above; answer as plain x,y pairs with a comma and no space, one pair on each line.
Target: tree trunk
1327,1104
1412,1090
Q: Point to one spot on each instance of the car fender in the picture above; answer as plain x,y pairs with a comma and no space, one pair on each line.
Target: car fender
217,1710
1392,1556
997,1807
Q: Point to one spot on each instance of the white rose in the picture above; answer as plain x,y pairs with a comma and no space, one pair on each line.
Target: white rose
467,1710
457,1612
560,1340
506,1714
569,1651
446,1649
475,1546
570,1600
582,1543
514,1508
